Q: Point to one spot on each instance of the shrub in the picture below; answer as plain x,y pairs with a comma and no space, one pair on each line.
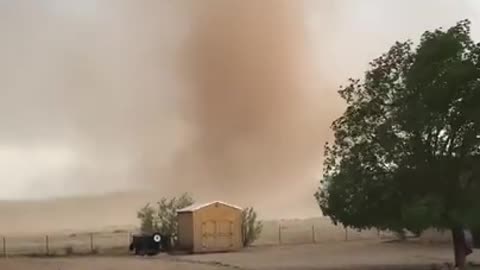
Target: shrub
167,214
251,228
163,219
146,215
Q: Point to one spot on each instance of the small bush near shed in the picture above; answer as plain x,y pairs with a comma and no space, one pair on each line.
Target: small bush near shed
251,227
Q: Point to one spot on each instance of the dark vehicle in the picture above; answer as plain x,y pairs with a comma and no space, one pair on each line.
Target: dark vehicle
148,244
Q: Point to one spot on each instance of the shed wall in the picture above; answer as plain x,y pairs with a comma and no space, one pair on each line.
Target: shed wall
217,228
185,230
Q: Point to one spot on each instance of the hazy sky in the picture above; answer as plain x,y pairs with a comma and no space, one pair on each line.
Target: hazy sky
93,98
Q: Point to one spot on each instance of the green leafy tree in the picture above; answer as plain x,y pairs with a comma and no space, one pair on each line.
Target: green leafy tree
163,219
406,153
147,218
166,216
251,227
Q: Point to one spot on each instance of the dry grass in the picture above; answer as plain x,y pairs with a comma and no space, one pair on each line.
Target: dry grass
363,250
116,241
72,244
314,230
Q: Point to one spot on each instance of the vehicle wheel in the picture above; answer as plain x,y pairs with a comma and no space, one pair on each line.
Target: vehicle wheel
157,238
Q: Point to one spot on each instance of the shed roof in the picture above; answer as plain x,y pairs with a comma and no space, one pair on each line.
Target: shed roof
195,207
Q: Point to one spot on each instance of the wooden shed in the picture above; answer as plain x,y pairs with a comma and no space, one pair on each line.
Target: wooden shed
210,227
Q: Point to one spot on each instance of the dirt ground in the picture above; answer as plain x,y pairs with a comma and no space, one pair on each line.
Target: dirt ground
341,255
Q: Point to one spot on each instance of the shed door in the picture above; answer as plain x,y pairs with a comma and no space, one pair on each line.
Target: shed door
217,235
208,234
224,234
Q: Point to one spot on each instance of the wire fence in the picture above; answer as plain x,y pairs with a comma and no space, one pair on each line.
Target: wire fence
318,230
64,245
312,231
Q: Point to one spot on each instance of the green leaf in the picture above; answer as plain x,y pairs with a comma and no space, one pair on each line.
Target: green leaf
406,151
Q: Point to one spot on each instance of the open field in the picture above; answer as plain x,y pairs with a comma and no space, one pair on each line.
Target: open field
116,241
67,244
362,254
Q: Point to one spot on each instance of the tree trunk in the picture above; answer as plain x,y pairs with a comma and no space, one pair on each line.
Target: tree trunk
459,248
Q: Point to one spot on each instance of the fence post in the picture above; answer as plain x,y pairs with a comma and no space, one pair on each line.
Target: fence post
91,242
279,233
346,234
47,247
4,245
313,234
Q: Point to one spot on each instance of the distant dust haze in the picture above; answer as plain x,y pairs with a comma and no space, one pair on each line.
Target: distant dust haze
106,105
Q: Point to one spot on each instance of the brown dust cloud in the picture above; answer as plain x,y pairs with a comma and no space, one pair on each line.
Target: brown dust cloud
106,105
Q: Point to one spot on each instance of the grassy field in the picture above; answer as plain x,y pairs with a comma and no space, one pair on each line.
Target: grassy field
71,244
303,244
116,241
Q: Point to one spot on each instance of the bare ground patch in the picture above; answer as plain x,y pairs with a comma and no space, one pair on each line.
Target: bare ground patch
358,255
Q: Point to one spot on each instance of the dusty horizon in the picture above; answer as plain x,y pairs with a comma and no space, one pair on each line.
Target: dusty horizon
224,100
